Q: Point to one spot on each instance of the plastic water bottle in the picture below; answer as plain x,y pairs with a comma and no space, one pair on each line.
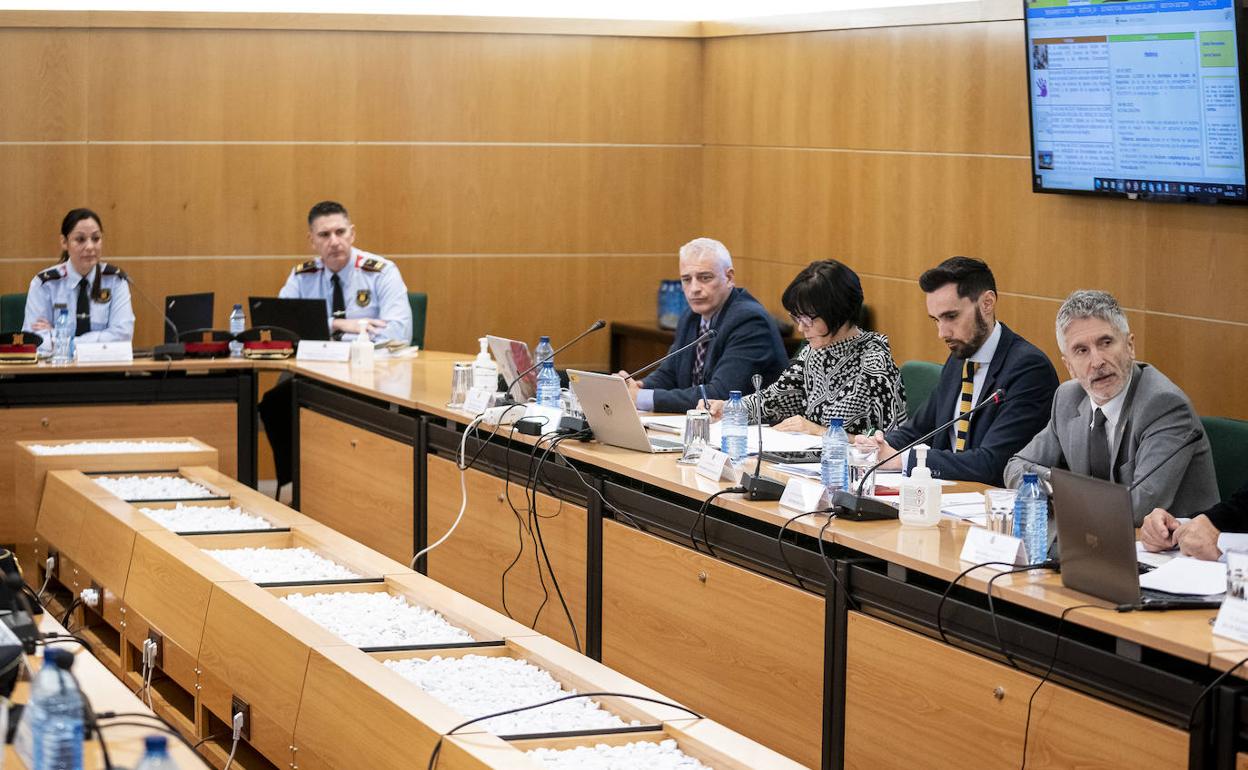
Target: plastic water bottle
1031,518
544,350
62,335
734,432
53,715
238,322
156,754
834,460
548,390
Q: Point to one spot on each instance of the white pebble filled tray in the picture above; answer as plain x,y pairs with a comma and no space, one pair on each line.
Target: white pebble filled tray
205,518
281,565
638,755
113,447
475,685
377,620
134,488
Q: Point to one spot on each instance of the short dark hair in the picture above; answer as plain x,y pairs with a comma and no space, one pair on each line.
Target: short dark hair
325,209
825,289
71,221
971,275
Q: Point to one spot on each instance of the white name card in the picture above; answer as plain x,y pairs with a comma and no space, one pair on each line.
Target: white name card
716,466
103,352
1232,620
547,415
478,400
983,546
801,496
334,351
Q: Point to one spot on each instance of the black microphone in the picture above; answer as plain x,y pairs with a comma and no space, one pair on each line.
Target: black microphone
758,486
709,334
1194,435
854,507
507,398
172,351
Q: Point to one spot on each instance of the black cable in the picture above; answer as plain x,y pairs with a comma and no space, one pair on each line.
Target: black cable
521,524
155,723
780,542
701,517
940,606
202,741
1057,642
541,543
1191,717
63,638
832,568
992,610
437,748
69,611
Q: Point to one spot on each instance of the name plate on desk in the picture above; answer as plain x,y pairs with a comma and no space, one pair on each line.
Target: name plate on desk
478,400
334,351
103,352
1232,620
716,466
983,545
801,496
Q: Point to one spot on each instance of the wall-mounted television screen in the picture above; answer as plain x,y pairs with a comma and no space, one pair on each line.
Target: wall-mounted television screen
1140,99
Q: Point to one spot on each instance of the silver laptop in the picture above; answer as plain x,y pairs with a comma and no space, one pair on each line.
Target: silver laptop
612,415
513,357
1096,533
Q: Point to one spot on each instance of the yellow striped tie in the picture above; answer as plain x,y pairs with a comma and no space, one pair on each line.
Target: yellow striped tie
964,405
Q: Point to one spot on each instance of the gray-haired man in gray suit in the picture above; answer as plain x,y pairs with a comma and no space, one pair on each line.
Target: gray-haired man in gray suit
1117,419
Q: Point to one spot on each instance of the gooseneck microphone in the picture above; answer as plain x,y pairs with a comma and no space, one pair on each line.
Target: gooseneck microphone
708,334
855,507
758,486
507,398
169,350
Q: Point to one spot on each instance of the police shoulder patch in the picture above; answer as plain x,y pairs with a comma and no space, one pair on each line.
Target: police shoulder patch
308,267
51,274
373,265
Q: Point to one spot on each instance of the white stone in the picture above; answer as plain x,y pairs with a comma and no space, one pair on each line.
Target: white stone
112,447
476,685
641,755
204,518
153,487
280,565
377,619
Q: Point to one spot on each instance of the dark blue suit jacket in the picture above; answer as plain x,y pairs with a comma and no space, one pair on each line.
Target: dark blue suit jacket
998,431
748,342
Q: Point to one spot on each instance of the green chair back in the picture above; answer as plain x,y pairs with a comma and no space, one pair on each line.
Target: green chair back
920,379
12,311
420,306
1228,438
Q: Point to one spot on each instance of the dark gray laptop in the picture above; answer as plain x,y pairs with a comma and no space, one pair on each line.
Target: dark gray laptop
1096,533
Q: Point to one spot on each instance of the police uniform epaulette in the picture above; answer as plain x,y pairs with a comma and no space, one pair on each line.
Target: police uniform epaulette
373,265
51,274
308,267
114,270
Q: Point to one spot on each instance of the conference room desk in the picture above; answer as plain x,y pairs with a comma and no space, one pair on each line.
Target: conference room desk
212,400
862,679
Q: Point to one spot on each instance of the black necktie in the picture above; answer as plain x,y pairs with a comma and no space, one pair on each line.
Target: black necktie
1098,447
340,305
84,310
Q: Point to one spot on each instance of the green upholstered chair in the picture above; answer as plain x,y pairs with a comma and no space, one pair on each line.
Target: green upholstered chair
420,305
920,379
1229,440
12,311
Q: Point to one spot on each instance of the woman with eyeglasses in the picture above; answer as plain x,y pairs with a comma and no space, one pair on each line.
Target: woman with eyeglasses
843,371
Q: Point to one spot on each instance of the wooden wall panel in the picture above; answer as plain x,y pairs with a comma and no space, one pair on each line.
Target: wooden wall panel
919,88
367,86
42,90
41,183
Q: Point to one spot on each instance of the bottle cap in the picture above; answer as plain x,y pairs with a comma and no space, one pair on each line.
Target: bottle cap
836,422
920,469
156,745
732,394
484,342
542,339
1031,478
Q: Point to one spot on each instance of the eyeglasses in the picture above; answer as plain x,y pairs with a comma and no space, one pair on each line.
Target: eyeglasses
802,320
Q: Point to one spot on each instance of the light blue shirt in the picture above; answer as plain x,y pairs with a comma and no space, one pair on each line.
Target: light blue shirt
112,320
371,288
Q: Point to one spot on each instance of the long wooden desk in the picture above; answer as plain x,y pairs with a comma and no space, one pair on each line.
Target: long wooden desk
827,682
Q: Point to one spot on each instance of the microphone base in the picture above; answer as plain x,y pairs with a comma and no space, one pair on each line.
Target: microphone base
851,507
175,351
759,487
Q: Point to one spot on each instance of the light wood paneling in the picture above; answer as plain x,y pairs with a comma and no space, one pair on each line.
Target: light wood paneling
737,647
487,540
42,183
214,424
942,699
1206,359
872,89
44,85
364,86
333,458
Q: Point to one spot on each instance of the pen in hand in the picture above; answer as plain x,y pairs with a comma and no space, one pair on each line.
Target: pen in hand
706,402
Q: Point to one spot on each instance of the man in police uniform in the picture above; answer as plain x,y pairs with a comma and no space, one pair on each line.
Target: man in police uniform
357,286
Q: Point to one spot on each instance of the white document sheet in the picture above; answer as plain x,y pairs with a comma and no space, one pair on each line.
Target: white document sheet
1182,575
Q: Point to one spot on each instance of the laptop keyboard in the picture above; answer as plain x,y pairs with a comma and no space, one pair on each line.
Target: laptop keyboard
666,445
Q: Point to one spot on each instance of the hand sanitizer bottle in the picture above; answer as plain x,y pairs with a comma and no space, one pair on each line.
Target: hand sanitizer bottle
484,370
920,493
362,348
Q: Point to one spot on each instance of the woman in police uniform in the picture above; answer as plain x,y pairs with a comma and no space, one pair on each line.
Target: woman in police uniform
96,294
